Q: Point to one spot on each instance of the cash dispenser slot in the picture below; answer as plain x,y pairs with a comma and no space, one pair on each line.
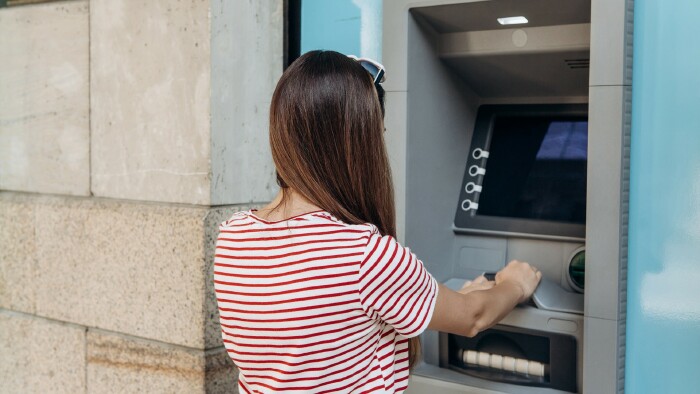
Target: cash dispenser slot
518,356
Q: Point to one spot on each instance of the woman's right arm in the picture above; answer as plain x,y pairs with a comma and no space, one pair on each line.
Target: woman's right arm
470,313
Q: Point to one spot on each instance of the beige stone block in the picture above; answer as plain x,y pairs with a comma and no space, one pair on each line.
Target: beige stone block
17,254
150,86
44,98
40,356
137,268
121,364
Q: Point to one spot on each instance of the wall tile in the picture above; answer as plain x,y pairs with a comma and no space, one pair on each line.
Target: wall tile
121,364
44,106
246,62
40,356
136,268
17,254
149,95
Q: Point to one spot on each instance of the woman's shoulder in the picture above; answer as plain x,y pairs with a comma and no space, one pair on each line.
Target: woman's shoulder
237,217
327,218
248,219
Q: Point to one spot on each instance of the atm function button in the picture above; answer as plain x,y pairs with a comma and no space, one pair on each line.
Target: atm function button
479,153
472,187
496,361
468,205
521,365
535,368
484,359
471,357
509,364
476,170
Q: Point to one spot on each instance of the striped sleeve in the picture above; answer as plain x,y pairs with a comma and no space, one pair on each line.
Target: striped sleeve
395,286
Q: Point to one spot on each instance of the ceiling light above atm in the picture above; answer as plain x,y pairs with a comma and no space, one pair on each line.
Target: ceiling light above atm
512,20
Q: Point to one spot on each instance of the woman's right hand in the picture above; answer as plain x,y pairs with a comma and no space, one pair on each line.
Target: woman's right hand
471,312
522,274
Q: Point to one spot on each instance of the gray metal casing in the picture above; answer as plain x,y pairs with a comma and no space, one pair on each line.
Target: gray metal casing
430,118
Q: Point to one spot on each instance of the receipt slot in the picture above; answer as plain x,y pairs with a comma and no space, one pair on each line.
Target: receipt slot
500,150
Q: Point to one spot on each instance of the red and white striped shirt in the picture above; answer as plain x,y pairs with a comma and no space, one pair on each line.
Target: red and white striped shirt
312,304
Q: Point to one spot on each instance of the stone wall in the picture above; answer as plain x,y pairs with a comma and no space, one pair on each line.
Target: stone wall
128,131
44,99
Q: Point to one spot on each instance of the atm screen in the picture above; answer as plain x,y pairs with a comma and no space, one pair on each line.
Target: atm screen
526,172
536,169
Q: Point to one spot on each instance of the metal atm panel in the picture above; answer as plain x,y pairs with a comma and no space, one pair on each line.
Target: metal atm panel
441,73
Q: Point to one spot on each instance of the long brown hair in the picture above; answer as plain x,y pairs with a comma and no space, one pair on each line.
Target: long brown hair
327,141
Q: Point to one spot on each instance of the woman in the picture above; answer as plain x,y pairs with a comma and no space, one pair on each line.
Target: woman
314,292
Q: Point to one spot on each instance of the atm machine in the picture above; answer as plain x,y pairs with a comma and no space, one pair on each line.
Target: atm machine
525,185
503,147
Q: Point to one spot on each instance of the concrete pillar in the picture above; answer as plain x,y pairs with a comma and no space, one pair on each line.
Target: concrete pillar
180,94
128,131
44,98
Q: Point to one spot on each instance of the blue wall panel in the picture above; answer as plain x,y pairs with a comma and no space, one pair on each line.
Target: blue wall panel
353,27
663,312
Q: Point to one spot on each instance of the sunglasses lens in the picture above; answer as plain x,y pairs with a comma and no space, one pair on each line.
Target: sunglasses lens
375,69
371,68
376,72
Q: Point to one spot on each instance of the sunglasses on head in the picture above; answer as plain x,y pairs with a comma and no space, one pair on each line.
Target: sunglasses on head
373,67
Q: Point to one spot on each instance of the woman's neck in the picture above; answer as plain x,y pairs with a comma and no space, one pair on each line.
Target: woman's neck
286,204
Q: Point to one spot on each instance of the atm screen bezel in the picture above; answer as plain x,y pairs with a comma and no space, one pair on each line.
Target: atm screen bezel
471,221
